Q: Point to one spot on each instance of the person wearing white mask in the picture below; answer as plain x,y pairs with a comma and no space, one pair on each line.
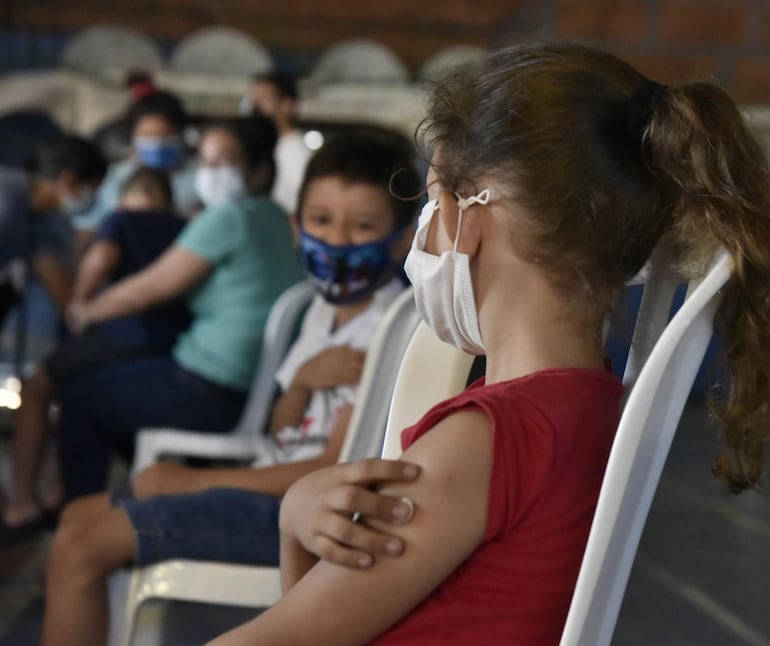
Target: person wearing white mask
556,171
158,122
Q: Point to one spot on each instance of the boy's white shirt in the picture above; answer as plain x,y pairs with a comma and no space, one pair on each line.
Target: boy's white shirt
308,440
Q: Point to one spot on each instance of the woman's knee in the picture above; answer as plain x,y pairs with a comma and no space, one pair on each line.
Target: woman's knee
92,538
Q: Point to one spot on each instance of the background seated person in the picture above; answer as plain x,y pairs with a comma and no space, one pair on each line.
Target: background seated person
230,264
158,121
556,171
60,179
231,514
128,241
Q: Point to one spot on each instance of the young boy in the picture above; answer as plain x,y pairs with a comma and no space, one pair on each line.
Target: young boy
353,228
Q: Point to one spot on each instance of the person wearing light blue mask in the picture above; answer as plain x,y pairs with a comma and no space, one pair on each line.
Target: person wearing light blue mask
158,122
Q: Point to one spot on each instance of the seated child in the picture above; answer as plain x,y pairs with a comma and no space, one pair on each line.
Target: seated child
352,232
556,170
129,239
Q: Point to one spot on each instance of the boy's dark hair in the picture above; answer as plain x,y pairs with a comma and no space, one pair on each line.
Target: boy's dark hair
150,180
71,153
370,156
285,84
257,136
162,104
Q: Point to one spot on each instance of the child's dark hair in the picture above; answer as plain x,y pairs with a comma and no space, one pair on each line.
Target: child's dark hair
285,84
370,156
71,153
153,182
548,126
162,104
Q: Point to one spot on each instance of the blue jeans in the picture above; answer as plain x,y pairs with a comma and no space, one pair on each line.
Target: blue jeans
225,525
103,409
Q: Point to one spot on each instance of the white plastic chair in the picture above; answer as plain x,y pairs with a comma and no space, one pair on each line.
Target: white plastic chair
250,586
647,426
244,439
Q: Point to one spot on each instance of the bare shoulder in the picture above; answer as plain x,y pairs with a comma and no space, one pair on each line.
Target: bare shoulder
462,438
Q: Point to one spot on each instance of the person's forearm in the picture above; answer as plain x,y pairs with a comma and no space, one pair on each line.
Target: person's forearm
90,278
296,561
290,408
127,297
273,481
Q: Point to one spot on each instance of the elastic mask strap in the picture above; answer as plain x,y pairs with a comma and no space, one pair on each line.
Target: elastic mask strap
464,203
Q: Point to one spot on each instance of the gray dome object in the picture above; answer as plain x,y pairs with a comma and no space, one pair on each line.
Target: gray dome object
448,60
359,61
220,51
111,47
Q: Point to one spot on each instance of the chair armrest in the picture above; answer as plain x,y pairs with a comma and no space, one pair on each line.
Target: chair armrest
152,444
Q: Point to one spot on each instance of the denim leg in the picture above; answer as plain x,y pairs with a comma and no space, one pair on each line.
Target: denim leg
105,407
227,525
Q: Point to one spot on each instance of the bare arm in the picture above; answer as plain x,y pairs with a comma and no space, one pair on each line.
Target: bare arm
167,478
95,268
341,606
171,275
56,278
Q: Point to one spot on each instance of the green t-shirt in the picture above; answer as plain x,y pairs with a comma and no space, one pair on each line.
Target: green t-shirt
249,244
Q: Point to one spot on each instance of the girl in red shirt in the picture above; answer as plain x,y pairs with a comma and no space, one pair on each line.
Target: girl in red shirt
555,171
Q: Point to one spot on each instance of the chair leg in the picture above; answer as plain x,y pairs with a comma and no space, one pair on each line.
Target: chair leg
123,603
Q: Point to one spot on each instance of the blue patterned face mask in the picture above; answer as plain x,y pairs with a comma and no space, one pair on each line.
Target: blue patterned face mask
160,153
345,273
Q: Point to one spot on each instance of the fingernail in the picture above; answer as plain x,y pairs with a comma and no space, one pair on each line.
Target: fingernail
404,510
410,471
393,547
364,561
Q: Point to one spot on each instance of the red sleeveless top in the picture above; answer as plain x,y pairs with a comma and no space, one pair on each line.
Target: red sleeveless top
552,433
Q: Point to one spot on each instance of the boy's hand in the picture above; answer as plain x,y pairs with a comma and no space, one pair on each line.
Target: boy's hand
317,511
337,366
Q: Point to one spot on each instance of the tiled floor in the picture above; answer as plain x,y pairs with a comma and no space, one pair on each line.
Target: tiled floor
701,578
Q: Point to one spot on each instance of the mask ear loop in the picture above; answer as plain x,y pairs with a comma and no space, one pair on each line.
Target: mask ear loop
464,203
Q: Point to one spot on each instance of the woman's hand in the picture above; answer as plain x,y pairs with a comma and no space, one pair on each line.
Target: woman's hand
318,510
336,366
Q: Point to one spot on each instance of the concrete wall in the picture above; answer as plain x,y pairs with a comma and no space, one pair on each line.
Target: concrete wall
668,39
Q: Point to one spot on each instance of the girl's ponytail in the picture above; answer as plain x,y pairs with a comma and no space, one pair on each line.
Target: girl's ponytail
716,177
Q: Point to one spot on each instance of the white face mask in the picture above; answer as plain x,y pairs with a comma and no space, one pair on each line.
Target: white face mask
442,284
218,185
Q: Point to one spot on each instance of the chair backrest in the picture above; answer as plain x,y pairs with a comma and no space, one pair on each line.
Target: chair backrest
431,371
383,357
279,331
647,426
